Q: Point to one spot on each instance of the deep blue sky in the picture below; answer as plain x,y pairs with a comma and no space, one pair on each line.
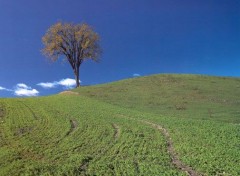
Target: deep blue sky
138,37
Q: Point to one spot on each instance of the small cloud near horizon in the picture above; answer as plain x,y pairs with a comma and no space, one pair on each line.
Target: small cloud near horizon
22,89
136,75
5,89
66,83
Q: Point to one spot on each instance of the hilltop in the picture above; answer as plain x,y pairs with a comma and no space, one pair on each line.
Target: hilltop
189,96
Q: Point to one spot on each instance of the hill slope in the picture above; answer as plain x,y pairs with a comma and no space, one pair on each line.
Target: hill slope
190,96
157,125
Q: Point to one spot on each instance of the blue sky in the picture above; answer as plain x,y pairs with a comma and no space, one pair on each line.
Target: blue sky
138,37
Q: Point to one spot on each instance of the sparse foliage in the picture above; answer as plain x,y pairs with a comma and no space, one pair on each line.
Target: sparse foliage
75,42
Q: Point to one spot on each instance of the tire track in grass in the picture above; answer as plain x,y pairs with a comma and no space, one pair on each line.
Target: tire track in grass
111,143
115,137
116,131
26,129
174,157
73,127
33,113
84,166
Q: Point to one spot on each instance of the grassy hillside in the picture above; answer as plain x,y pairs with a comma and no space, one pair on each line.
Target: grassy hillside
189,96
126,128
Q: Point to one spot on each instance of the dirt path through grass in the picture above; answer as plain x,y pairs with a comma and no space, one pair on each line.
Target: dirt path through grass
175,158
117,131
74,125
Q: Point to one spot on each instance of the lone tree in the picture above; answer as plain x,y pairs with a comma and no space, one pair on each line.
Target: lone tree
76,43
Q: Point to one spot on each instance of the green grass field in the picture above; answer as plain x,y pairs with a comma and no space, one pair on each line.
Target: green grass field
112,129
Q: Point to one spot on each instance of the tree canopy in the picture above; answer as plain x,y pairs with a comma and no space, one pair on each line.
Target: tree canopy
76,42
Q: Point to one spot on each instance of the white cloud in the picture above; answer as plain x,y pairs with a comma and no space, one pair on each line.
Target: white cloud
136,75
24,90
67,83
3,88
23,86
47,85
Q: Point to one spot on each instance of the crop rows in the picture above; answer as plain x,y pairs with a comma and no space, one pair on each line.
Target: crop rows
58,136
74,135
201,114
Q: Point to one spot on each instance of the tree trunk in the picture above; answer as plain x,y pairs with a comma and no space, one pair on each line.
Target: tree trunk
77,77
